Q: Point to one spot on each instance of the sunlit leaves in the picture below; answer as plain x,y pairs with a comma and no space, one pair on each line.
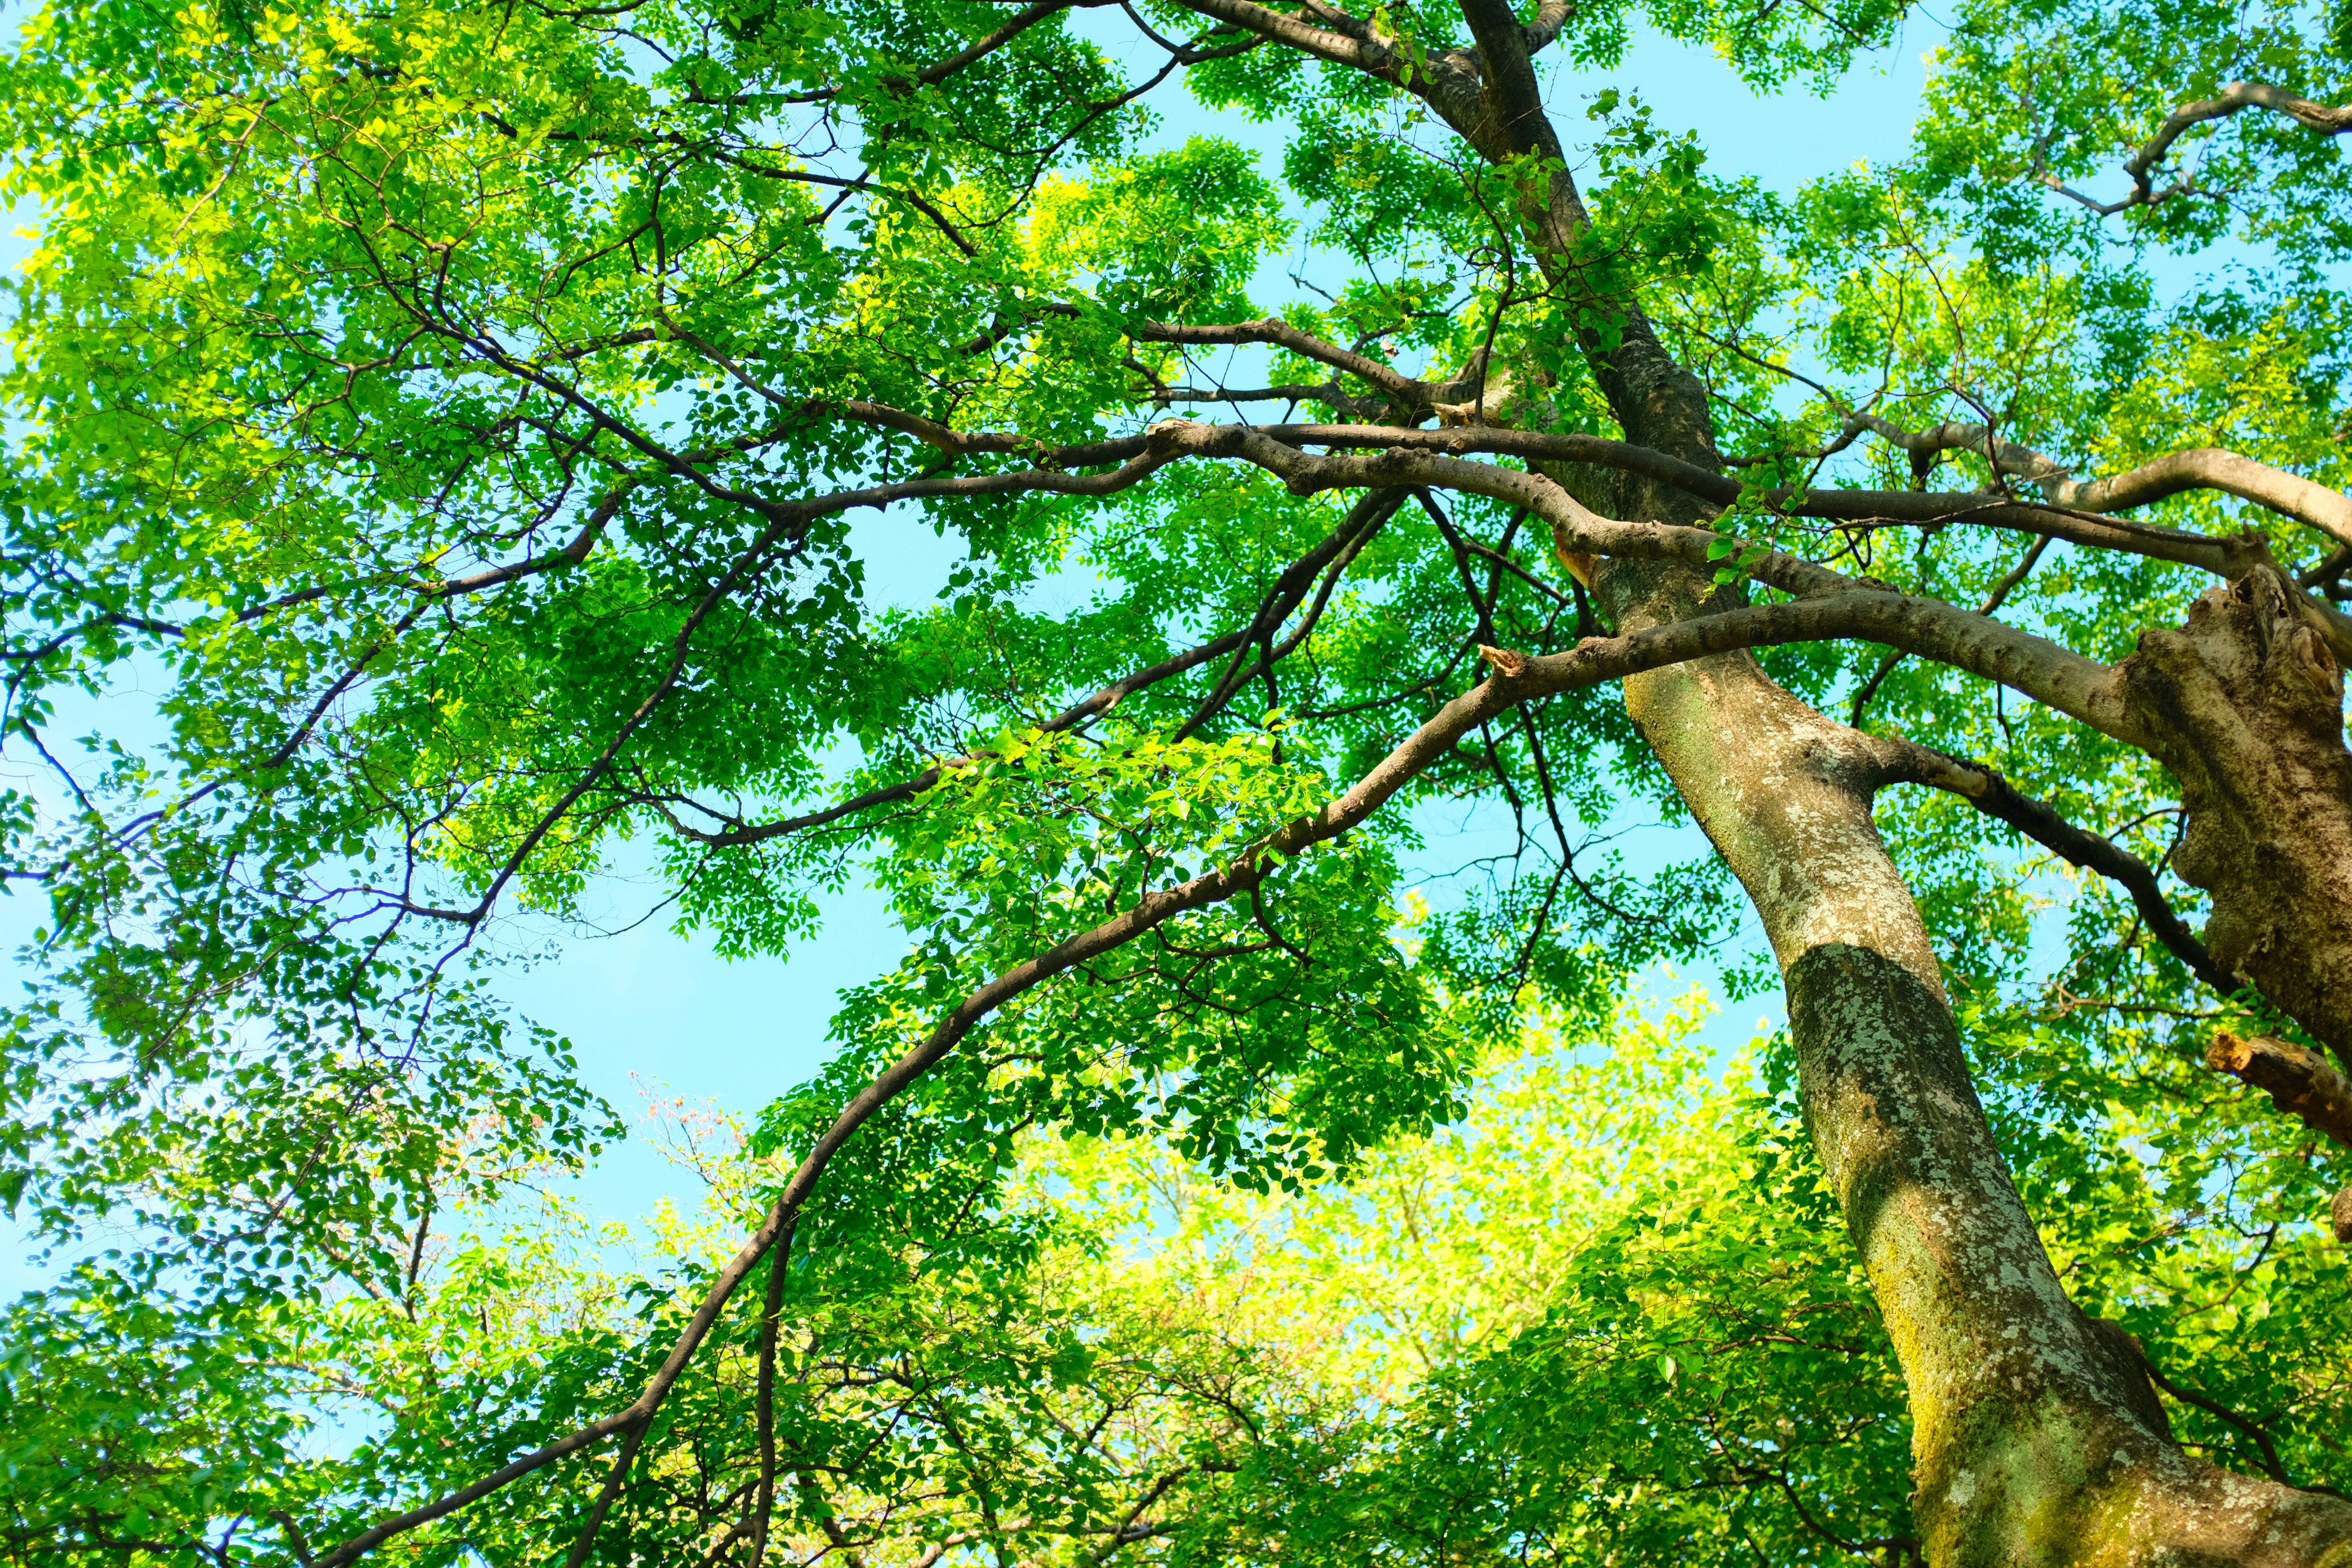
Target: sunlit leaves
424,405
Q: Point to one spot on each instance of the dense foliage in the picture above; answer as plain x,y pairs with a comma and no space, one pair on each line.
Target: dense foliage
456,414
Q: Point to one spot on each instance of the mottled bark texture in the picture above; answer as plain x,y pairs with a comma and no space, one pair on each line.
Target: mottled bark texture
2299,1082
2245,706
2036,1436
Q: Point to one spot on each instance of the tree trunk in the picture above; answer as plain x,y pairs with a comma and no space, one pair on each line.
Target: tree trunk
2245,706
2036,1436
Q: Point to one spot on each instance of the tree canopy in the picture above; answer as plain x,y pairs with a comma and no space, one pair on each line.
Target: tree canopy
435,434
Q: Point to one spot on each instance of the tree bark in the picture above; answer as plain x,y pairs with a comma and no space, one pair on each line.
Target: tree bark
2299,1082
2036,1436
2245,706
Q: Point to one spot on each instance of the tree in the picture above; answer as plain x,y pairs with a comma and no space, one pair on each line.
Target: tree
457,413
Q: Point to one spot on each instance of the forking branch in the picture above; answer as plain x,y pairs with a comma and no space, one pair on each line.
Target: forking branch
2233,98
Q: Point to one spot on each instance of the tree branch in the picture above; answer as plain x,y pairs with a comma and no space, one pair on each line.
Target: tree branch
2079,517
1279,600
2237,96
2229,557
2198,467
2299,1082
1552,17
1448,79
1993,600
1355,45
1365,518
1990,793
2213,468
2267,1455
1407,395
2080,687
1022,21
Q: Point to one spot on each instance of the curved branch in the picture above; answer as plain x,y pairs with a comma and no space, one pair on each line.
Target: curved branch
2044,670
1102,701
1022,21
1357,45
1959,436
1409,395
1365,518
2040,668
2077,510
2195,469
2230,556
2034,665
591,529
2227,557
1992,601
2213,468
2267,1453
2299,1082
2231,99
2238,95
85,628
1990,793
1552,17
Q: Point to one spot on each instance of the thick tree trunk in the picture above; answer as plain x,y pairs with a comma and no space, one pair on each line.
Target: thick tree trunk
2036,1436
2245,706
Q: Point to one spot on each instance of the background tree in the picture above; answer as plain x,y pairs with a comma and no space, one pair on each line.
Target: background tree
457,413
